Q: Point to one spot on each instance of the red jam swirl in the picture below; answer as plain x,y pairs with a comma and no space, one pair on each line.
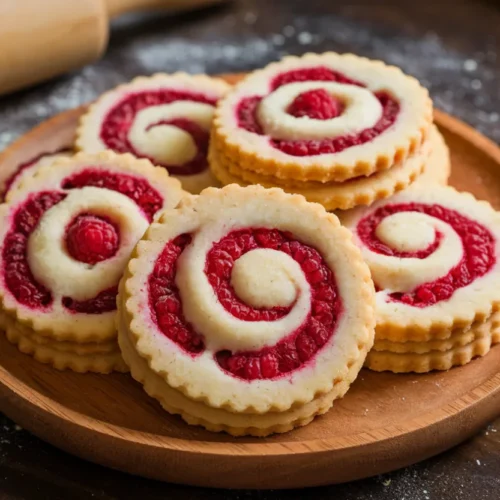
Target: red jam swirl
89,238
319,108
117,123
19,279
138,190
296,349
478,251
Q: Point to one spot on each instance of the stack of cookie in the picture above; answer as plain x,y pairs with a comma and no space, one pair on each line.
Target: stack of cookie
246,310
339,129
434,257
66,234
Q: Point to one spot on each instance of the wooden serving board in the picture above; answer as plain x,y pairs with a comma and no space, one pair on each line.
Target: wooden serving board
384,422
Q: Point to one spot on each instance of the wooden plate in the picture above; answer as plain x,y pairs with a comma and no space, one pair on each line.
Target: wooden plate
385,421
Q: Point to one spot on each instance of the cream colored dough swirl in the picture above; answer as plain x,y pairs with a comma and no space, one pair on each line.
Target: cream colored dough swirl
47,244
222,330
362,111
413,232
153,136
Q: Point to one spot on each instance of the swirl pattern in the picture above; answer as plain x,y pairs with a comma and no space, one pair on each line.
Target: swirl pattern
86,215
322,118
165,118
427,250
242,290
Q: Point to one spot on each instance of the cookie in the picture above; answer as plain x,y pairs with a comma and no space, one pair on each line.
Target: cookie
433,254
66,235
458,353
164,118
322,117
246,310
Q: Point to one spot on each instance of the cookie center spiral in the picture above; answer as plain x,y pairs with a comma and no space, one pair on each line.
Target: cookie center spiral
272,300
317,104
407,232
260,279
169,127
91,239
340,112
424,270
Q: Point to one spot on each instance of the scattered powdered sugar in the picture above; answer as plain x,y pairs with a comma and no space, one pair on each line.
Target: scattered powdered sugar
470,65
305,38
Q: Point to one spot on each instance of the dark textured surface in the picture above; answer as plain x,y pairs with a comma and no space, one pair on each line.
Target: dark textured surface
452,47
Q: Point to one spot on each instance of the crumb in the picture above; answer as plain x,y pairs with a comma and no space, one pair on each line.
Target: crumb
278,39
470,65
476,84
250,18
305,38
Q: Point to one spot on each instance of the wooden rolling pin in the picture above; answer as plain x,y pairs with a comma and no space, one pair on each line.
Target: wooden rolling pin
40,39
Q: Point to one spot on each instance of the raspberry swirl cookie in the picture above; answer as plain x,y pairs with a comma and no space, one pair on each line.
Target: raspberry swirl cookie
246,310
65,237
164,118
434,257
322,117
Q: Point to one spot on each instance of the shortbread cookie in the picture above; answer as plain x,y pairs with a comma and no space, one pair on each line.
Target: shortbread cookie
250,302
322,117
433,254
66,235
78,357
164,118
485,335
333,195
26,170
